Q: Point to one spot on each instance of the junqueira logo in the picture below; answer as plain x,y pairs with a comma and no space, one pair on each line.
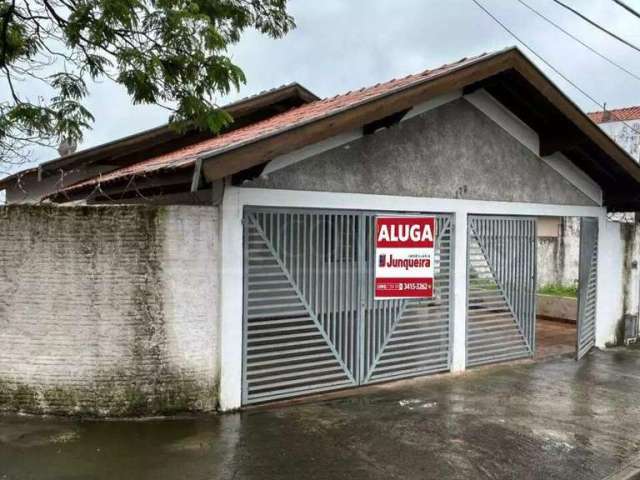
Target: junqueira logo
405,248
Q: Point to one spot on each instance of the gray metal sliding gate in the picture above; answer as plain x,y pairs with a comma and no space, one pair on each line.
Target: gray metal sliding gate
588,276
311,323
501,280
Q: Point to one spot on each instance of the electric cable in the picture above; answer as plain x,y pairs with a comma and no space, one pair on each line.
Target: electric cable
627,8
554,69
599,27
584,44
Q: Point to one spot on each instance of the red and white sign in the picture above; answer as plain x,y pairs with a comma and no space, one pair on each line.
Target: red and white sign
405,255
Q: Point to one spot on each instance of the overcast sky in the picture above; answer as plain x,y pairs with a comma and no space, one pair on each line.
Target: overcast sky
340,45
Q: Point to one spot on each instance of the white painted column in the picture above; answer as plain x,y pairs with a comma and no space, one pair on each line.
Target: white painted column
631,274
610,292
231,301
458,346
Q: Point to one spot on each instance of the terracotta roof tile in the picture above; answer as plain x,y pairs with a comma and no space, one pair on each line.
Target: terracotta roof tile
617,115
187,156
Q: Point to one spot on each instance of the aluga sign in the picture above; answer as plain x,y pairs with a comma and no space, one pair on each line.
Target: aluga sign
405,255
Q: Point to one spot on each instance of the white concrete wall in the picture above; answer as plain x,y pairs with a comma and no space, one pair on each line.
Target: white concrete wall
626,135
630,233
108,310
610,287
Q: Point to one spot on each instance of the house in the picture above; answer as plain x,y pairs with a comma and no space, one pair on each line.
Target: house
248,273
623,125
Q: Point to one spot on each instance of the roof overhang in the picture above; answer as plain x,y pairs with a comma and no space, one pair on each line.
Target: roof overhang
513,79
507,75
133,147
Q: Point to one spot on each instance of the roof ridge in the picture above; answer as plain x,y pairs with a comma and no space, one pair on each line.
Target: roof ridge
428,71
630,107
630,113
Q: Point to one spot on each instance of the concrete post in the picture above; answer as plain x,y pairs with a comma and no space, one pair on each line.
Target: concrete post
458,346
610,296
231,303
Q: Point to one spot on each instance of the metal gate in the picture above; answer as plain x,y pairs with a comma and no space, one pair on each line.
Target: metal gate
311,323
588,276
501,281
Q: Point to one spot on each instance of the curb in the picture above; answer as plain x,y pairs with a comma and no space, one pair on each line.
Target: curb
630,470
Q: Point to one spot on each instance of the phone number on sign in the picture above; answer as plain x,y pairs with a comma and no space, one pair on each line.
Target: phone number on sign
404,286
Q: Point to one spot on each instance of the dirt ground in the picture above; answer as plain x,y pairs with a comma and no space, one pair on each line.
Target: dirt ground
555,419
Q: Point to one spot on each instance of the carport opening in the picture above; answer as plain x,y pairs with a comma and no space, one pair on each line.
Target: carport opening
558,257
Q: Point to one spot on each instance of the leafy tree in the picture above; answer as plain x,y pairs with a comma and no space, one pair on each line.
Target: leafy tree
171,53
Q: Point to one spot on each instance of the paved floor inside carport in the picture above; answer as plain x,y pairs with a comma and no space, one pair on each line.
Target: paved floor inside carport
554,338
550,420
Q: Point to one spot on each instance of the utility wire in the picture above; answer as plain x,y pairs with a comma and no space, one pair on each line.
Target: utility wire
588,47
627,8
558,72
588,20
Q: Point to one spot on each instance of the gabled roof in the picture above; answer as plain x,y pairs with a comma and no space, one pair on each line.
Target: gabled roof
508,75
187,156
616,115
243,111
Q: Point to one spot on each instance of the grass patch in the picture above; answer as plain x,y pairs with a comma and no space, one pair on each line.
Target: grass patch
559,290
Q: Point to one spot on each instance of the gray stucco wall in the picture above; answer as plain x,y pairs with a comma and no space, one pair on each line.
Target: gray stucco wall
454,151
108,310
558,257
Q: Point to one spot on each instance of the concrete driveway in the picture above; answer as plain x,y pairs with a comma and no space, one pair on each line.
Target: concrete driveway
551,420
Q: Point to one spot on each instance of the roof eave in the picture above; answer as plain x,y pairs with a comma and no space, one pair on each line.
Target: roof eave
263,148
364,112
165,132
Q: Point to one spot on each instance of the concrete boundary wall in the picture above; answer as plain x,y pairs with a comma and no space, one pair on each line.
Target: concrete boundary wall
108,310
630,234
558,256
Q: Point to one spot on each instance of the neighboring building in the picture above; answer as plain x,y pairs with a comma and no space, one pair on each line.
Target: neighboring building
623,125
559,239
257,282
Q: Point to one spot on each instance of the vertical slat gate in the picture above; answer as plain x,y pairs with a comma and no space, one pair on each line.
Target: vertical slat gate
501,276
311,323
587,282
408,337
299,316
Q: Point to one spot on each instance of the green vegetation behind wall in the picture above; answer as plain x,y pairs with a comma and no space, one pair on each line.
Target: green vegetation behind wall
559,290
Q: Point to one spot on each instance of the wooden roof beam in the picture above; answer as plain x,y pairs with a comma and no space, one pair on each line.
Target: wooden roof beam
559,140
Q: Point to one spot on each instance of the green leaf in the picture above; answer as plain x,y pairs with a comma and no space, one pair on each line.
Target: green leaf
168,52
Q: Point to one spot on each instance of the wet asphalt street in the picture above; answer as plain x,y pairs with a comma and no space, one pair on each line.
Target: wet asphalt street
552,420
